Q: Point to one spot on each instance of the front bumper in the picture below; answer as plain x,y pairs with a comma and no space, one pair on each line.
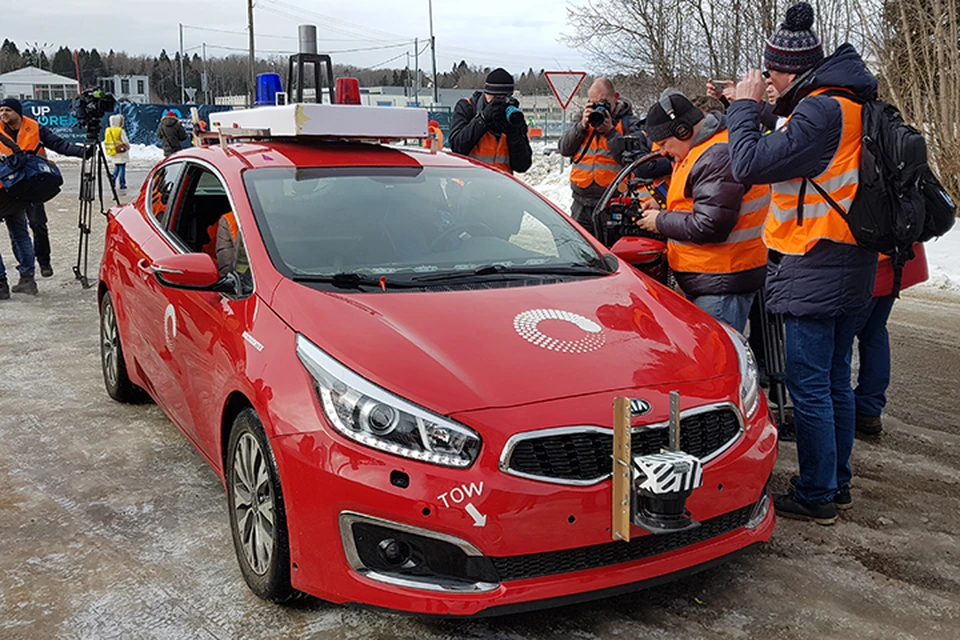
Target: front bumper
545,542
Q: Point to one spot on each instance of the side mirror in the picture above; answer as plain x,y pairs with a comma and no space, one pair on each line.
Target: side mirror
638,250
191,272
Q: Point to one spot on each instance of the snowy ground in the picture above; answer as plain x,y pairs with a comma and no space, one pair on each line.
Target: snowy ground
943,254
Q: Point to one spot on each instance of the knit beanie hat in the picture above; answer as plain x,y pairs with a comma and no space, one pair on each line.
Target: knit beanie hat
661,126
14,104
794,48
499,82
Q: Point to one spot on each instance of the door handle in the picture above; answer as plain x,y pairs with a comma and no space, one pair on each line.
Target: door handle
144,267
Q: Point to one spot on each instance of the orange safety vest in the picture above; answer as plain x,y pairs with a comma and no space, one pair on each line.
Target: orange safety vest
597,163
211,247
784,232
489,150
743,249
28,138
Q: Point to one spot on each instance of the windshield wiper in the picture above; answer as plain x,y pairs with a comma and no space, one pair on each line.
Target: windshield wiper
569,269
353,280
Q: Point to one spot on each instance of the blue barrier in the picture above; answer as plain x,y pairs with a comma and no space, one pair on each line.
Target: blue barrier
141,120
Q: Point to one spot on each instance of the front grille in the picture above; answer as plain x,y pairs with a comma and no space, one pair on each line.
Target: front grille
551,563
586,455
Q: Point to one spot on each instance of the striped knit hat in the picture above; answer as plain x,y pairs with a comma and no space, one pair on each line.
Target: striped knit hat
794,48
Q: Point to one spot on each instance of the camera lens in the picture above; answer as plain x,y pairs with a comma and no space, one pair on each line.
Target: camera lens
597,116
514,115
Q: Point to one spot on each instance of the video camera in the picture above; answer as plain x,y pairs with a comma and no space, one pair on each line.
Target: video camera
601,109
90,107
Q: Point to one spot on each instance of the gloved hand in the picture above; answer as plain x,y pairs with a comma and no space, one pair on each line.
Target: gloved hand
517,120
494,114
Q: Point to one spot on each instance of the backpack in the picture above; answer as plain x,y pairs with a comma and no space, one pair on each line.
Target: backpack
28,176
899,200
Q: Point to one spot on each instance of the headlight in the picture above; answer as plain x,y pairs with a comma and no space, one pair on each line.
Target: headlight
749,377
371,415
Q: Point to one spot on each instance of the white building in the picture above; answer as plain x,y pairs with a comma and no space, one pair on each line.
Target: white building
131,88
31,83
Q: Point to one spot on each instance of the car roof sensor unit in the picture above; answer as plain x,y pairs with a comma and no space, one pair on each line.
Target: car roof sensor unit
326,121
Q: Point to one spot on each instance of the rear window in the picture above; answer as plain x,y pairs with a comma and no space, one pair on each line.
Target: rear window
381,221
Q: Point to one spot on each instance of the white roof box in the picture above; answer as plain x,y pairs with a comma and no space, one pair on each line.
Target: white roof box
327,120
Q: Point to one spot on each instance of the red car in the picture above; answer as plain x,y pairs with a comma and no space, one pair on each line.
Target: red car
403,366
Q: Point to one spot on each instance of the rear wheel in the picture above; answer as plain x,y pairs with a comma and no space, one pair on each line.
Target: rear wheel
257,516
115,377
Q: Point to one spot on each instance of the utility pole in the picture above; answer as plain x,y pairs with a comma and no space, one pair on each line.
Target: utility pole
204,85
416,71
406,78
433,54
253,78
183,89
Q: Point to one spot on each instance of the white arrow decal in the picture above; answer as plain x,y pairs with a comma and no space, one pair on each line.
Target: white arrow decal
479,520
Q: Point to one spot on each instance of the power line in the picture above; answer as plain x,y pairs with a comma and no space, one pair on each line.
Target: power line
350,28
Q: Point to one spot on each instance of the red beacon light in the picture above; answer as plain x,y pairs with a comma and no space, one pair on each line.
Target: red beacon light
348,91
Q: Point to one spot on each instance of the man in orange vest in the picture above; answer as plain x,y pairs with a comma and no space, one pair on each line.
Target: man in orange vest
29,135
713,223
817,277
490,127
597,150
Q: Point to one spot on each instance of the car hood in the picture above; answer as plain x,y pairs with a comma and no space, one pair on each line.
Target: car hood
457,351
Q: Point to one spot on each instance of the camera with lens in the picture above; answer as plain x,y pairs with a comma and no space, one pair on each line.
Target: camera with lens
90,107
513,114
601,109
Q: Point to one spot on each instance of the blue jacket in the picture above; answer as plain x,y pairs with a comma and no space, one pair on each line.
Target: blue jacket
832,279
55,143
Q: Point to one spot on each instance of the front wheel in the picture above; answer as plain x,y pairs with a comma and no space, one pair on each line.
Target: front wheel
115,377
257,516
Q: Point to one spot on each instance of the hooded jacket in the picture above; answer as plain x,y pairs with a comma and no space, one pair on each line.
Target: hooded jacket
831,279
717,197
468,126
171,134
115,134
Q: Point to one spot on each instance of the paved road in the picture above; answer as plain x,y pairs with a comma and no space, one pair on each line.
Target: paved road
112,526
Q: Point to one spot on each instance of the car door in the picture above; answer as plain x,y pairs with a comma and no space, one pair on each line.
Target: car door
156,320
210,325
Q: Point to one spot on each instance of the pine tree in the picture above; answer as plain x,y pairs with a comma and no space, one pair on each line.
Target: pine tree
63,63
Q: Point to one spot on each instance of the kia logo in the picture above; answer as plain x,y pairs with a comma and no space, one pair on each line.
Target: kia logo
639,407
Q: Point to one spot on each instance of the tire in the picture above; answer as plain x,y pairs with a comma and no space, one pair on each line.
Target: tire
112,363
253,497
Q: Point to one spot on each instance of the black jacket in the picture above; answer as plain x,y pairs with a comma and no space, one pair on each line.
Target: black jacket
171,134
572,143
716,210
833,278
468,126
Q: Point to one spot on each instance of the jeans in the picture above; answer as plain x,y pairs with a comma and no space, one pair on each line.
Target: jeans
818,352
582,212
732,308
873,344
22,246
37,216
120,171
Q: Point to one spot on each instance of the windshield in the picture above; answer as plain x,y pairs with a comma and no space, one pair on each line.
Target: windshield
408,223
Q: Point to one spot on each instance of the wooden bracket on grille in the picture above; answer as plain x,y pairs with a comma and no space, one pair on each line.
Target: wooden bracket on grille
622,469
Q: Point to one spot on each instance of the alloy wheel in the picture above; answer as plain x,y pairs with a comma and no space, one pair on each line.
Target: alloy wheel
253,503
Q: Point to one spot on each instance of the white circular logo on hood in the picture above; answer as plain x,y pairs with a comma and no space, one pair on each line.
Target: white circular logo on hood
527,325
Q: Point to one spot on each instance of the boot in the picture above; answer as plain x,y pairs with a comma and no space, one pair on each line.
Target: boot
4,290
46,271
788,506
869,425
26,285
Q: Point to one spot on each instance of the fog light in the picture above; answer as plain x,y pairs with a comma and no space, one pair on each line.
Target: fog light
394,552
760,510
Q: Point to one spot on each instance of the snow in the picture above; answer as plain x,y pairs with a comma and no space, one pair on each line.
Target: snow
141,156
943,254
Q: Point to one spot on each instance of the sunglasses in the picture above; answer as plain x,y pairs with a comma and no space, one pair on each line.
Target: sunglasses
766,74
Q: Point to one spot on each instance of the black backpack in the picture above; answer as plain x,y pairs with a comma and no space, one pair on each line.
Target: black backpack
899,200
27,176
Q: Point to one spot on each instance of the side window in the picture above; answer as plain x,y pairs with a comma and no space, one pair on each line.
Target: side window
161,188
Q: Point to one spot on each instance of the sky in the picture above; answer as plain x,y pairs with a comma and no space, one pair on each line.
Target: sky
482,32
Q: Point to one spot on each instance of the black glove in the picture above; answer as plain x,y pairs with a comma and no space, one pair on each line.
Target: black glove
494,115
517,120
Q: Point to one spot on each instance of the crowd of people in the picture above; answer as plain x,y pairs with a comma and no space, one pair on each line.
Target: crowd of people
739,219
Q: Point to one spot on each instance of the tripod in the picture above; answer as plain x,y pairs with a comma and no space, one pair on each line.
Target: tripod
91,187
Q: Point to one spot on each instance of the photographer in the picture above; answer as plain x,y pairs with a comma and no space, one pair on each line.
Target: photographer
490,126
29,135
713,223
